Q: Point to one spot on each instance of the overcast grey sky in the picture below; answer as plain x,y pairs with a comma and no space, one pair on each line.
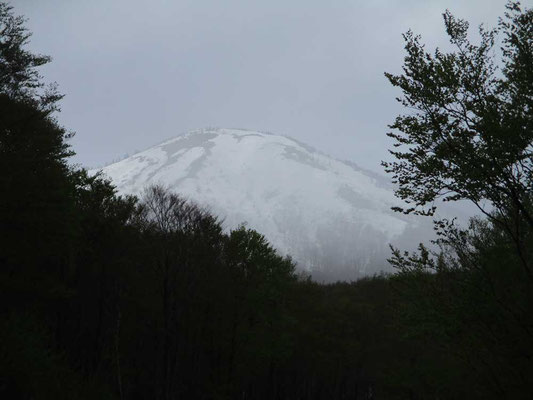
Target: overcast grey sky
137,72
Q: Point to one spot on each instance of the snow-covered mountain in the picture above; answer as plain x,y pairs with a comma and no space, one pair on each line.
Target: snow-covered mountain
330,216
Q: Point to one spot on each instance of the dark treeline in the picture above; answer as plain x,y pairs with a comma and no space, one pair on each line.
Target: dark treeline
103,296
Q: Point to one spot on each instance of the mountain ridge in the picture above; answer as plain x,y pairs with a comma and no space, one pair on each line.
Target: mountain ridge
328,214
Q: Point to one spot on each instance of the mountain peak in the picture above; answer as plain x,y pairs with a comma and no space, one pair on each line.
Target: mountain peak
320,210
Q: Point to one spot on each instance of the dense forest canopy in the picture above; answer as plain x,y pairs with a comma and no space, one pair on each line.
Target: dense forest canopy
104,296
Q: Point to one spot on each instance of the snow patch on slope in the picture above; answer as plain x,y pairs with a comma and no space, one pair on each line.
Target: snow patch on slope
316,208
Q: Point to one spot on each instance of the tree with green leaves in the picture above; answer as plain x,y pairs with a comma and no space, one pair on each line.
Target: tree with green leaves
468,132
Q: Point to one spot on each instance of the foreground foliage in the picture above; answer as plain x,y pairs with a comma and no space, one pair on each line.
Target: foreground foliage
468,135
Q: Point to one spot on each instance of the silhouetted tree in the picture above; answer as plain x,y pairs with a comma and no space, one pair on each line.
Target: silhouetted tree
469,132
469,136
34,177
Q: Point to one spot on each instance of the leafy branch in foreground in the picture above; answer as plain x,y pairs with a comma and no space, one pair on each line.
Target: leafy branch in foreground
468,132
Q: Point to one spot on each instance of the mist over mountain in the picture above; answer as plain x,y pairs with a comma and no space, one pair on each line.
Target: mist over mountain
331,216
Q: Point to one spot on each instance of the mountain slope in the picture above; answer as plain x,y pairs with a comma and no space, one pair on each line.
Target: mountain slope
328,214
